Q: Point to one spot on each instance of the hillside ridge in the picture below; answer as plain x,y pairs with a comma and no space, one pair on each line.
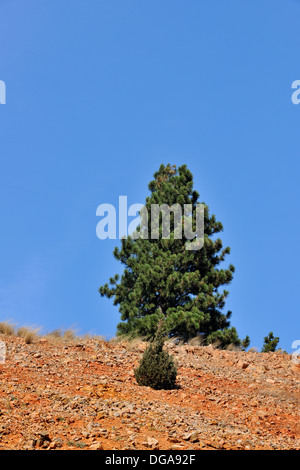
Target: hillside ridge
82,394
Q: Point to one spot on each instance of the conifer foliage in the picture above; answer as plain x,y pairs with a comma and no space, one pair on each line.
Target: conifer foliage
162,279
270,343
157,368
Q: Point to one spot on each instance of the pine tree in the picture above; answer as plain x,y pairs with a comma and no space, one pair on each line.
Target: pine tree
270,343
163,279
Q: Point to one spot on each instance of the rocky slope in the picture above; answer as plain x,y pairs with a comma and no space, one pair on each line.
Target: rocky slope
83,395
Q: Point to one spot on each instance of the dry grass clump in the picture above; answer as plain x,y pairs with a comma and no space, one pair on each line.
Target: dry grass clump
7,328
54,334
196,341
28,333
65,336
69,335
233,347
130,342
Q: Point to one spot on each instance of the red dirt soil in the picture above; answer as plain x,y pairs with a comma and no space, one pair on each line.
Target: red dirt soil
83,395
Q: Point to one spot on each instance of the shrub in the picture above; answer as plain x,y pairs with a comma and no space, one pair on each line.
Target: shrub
157,368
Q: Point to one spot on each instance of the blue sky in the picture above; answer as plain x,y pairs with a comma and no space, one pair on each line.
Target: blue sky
99,94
